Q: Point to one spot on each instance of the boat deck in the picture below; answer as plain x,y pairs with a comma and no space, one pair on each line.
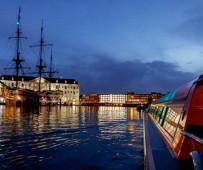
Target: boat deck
157,154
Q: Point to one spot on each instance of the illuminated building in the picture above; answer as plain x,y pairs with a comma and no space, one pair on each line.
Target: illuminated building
119,99
137,99
69,88
112,99
90,99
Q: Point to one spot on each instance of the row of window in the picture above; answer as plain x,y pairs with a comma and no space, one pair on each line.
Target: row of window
67,87
113,95
73,92
167,117
12,78
65,92
35,84
115,100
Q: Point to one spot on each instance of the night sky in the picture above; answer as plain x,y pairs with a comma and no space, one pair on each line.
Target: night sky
111,46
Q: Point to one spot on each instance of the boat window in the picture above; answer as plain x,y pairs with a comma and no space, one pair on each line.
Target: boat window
152,110
163,110
171,122
158,114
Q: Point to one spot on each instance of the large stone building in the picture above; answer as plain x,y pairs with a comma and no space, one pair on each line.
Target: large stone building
69,88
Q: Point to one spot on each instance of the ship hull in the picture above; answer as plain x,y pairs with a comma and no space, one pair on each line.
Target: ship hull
20,97
50,97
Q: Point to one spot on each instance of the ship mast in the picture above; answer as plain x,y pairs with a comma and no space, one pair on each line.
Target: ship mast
18,60
41,64
51,71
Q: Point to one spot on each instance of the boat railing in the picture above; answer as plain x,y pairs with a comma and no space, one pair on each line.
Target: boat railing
192,136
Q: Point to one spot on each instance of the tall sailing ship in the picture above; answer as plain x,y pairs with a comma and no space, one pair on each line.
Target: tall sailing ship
16,96
41,88
48,96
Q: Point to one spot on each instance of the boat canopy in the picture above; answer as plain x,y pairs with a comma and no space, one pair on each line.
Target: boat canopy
180,93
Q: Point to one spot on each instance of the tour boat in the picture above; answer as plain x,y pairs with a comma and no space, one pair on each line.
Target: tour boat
179,117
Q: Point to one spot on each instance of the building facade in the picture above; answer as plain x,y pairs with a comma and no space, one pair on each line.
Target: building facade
69,88
133,98
112,99
128,99
90,99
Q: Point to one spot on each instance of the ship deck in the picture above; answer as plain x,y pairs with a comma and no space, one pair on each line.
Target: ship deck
157,154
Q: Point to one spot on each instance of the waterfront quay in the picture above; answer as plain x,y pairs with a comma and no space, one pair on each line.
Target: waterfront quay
71,137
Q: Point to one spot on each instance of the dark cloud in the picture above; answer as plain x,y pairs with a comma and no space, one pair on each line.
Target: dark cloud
98,73
104,75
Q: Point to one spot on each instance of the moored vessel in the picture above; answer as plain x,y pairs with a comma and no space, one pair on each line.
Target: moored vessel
14,95
179,118
48,96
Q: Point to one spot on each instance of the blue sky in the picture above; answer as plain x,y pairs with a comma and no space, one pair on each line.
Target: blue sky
112,46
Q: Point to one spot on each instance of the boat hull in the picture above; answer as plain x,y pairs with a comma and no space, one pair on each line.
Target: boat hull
20,97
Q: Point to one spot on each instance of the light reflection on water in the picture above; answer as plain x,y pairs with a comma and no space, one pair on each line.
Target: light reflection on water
71,138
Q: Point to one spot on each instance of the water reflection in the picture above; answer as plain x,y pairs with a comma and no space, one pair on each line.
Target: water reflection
57,137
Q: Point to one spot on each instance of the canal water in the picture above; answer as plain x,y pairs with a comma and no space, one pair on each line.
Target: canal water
71,138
